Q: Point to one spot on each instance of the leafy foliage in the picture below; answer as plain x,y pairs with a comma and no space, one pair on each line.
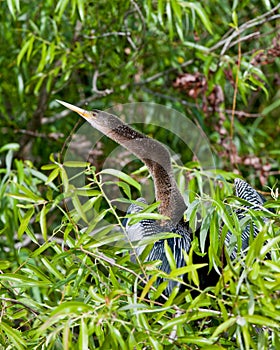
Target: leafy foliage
66,285
62,286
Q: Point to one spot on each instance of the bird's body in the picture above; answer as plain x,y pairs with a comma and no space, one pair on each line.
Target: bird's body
158,161
151,228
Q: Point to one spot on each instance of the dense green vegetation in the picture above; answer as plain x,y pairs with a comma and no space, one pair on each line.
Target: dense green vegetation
66,279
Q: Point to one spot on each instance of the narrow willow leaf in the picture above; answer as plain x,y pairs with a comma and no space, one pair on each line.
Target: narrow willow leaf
71,307
42,248
169,20
78,206
49,166
268,109
60,7
52,269
95,296
200,341
116,335
83,335
40,81
4,264
87,192
22,281
205,225
169,255
23,51
196,6
75,164
43,223
24,221
147,287
224,327
122,176
10,146
196,46
182,270
22,197
126,188
155,343
262,321
29,193
160,11
81,9
64,179
136,217
30,48
12,8
15,336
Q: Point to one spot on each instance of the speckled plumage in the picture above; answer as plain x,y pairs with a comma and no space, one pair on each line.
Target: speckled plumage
246,192
147,228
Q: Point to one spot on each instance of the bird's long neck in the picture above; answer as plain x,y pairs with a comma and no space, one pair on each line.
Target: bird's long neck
153,154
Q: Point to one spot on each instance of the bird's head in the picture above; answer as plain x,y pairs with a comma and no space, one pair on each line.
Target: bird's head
88,115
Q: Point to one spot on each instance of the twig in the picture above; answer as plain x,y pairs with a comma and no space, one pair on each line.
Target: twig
240,114
14,301
252,23
165,72
94,86
53,135
245,38
104,35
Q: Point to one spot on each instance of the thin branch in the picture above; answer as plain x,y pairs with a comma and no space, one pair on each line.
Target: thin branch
94,86
251,36
104,35
14,301
239,114
53,135
252,23
165,72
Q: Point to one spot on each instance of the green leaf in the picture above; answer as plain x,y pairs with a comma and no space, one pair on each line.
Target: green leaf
169,20
78,206
268,109
81,9
223,327
186,269
122,176
83,335
205,225
4,264
20,281
43,223
60,7
196,6
169,256
15,336
262,321
53,175
160,11
25,221
25,48
10,146
43,60
76,164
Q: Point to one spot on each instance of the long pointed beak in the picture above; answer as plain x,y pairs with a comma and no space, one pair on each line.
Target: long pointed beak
80,111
